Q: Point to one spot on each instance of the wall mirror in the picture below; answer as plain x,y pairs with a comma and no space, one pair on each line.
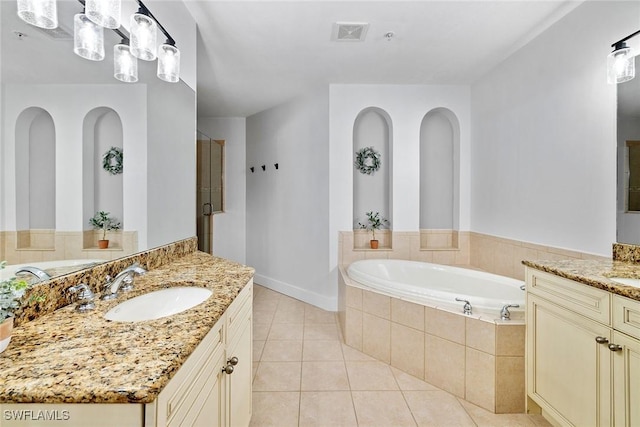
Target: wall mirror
41,62
628,159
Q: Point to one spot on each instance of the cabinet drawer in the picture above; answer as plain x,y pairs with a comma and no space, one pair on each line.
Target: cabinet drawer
626,316
240,308
590,302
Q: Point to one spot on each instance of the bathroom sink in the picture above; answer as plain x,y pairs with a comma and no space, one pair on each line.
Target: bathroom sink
626,281
157,304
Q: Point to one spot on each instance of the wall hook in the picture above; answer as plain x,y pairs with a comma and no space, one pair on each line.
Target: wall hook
264,167
276,165
251,168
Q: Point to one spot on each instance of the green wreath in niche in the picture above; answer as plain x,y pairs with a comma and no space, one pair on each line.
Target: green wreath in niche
112,161
367,160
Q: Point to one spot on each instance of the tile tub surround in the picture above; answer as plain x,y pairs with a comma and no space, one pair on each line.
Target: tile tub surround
476,358
55,292
71,357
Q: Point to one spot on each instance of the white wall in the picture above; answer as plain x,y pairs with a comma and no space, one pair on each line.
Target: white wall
544,132
229,226
288,209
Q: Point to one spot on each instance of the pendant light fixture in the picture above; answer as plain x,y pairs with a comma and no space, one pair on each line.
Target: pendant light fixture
169,62
88,38
143,30
125,65
620,64
41,13
105,13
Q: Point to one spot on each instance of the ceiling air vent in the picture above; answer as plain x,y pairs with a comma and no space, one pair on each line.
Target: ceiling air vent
58,33
349,31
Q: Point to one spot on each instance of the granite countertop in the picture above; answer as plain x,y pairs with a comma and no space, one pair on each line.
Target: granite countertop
72,357
594,273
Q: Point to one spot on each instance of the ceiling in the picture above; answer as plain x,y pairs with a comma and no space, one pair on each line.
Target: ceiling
253,55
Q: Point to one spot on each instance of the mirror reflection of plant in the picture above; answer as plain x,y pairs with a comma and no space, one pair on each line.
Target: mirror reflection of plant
102,221
11,292
374,222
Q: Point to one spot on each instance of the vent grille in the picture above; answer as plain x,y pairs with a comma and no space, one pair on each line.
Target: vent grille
58,33
349,31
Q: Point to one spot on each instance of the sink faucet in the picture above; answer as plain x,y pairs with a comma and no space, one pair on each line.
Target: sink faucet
40,274
123,280
85,297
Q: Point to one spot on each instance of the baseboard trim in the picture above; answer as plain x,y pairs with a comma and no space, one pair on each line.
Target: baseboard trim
321,301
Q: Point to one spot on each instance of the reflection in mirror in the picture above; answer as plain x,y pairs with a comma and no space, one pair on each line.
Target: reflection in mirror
60,115
628,136
210,185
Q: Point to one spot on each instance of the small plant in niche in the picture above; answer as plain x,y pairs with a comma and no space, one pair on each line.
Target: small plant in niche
102,221
374,222
11,292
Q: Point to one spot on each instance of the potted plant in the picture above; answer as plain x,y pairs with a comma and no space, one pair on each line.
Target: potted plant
11,291
102,221
374,222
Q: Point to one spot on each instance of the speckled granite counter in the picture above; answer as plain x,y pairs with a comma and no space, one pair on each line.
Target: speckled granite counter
594,273
71,357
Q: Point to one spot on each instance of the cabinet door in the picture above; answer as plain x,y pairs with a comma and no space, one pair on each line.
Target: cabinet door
626,371
568,372
212,398
239,382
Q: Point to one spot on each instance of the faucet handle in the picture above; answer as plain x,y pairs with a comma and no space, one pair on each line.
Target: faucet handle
466,309
85,297
505,314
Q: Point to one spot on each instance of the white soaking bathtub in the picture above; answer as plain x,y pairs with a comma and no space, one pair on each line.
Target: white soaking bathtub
438,285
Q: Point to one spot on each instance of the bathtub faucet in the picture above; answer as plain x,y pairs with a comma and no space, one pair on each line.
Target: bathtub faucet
467,306
505,314
40,274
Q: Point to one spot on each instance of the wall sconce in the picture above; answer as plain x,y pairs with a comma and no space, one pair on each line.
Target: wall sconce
621,65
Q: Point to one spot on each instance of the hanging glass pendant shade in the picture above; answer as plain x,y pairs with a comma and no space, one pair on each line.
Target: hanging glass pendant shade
621,64
88,38
143,36
168,63
41,13
125,65
105,13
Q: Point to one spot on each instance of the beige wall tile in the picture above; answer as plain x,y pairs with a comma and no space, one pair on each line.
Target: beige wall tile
376,304
407,313
353,328
376,254
354,297
480,373
376,337
481,335
401,246
510,385
447,257
510,340
407,350
444,364
445,325
349,256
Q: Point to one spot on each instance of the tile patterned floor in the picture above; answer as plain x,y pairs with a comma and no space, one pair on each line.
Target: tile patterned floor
304,375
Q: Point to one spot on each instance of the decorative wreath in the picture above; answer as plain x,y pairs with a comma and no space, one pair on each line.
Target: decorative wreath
367,160
112,161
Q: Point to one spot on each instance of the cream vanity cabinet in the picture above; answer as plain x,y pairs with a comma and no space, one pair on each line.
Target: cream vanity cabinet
583,352
212,387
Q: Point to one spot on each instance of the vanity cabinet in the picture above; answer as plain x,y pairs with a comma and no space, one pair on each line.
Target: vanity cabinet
583,352
211,388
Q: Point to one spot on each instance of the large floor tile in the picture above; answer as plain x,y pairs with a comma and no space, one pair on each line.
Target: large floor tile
437,408
484,418
381,409
371,376
261,331
289,316
409,382
278,376
320,376
282,351
351,353
322,350
316,315
321,331
275,409
258,346
326,408
285,331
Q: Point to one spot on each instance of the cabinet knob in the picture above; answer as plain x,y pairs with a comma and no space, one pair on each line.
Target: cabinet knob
615,347
228,369
601,340
233,361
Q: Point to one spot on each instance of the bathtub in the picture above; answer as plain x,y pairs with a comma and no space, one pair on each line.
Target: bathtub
438,285
404,313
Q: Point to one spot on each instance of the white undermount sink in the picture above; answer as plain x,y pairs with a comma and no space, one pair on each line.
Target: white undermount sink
626,281
157,304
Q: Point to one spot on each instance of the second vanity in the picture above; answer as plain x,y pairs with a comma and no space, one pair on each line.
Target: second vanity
192,368
583,342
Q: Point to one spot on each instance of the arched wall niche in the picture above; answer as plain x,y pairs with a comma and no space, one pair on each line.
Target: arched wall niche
35,136
101,190
372,192
439,179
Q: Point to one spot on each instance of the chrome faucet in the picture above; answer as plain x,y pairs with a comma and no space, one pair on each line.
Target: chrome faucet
123,280
467,309
40,274
505,314
85,297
